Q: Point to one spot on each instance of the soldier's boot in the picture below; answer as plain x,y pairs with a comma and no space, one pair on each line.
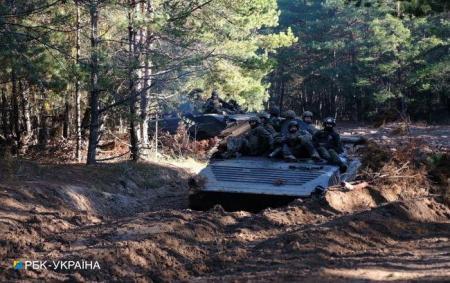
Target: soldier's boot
336,160
275,153
316,157
312,152
289,156
343,168
287,153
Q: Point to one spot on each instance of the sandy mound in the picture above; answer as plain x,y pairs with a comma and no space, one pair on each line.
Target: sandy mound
305,240
132,220
399,235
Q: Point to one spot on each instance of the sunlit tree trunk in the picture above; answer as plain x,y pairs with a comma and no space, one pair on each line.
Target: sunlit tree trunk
77,87
145,94
26,116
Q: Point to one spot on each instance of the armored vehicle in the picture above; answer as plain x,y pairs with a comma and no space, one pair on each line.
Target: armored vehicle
204,126
254,183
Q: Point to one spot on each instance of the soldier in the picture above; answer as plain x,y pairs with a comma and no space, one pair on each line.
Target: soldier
307,118
328,143
232,107
297,143
275,119
265,118
257,141
289,116
213,105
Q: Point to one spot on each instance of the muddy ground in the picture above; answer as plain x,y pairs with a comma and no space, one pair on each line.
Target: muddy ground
133,220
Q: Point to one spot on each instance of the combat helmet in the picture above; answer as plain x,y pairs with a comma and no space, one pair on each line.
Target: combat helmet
274,111
307,114
264,115
329,122
290,114
293,123
254,120
215,94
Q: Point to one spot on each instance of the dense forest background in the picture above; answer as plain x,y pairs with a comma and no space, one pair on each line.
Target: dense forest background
365,61
76,70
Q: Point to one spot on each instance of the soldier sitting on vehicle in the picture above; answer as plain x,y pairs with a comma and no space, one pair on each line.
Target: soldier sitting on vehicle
275,119
232,107
295,144
288,117
328,143
265,117
256,142
307,118
214,104
291,116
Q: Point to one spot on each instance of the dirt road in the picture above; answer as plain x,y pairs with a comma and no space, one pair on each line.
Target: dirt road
133,220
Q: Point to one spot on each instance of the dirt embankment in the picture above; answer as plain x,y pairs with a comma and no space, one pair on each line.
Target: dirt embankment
133,220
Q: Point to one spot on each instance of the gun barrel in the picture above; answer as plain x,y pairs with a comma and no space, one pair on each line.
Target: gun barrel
353,140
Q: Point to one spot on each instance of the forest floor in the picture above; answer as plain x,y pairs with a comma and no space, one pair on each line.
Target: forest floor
133,219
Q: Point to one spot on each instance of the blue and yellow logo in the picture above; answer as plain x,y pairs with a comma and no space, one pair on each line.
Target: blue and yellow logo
18,265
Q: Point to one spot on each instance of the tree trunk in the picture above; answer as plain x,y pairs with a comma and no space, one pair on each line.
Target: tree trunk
66,121
94,92
14,117
26,120
398,8
145,94
26,117
4,109
356,106
335,103
134,142
43,127
34,111
282,89
77,88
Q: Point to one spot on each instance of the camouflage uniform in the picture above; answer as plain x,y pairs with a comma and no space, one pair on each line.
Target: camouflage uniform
307,122
256,142
213,105
302,126
275,119
265,118
296,144
289,116
328,143
232,107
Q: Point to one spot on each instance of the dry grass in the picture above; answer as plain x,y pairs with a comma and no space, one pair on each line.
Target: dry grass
181,145
374,156
411,170
100,177
401,130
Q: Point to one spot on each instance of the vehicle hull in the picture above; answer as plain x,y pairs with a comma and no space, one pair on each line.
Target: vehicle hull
262,182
